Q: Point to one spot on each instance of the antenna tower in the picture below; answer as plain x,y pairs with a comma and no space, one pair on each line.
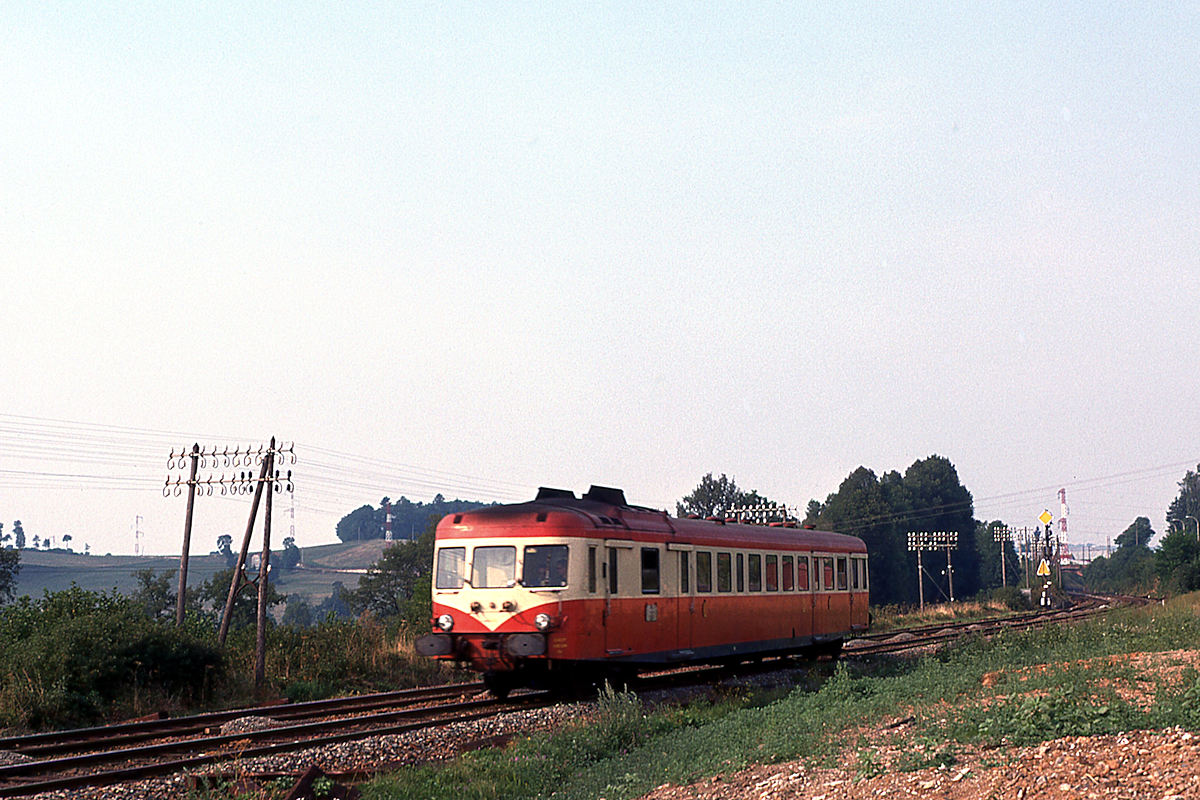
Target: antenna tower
1063,511
138,550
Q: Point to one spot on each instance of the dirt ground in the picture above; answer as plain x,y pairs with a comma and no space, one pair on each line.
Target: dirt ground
1139,765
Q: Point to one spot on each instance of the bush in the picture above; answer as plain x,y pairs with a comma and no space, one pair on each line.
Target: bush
1012,598
74,657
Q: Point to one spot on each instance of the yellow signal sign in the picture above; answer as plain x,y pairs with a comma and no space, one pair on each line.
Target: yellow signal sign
1045,517
1043,568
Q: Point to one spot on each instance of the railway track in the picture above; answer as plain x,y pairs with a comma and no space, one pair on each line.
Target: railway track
101,756
131,751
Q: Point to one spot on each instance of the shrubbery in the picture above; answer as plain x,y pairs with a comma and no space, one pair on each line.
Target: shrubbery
73,657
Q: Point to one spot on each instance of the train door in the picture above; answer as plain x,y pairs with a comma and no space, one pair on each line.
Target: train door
823,621
617,576
859,612
805,595
684,600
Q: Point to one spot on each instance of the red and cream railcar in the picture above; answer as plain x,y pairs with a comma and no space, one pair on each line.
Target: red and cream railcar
562,588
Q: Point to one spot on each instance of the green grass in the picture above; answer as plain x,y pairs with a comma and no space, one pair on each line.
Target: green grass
1043,692
56,570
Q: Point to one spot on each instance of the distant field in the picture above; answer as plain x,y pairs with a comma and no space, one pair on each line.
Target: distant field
323,566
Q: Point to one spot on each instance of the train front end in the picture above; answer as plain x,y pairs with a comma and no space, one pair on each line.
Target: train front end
505,596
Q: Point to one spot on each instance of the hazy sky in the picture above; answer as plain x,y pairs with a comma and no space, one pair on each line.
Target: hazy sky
480,248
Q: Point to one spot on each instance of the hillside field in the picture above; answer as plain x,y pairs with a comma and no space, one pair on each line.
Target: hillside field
321,567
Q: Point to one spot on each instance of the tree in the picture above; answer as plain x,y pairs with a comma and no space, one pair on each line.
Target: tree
398,584
19,535
1177,562
1131,568
1137,535
214,592
989,551
36,542
715,497
4,537
409,519
10,565
289,559
297,614
359,525
66,540
154,594
1187,503
882,511
225,548
335,605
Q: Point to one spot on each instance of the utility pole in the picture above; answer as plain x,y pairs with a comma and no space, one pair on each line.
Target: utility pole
264,569
919,541
1002,535
239,482
181,599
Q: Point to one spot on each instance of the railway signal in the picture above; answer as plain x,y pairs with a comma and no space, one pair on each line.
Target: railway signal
1002,535
920,541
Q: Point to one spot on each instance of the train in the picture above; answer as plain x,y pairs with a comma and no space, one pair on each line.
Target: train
564,589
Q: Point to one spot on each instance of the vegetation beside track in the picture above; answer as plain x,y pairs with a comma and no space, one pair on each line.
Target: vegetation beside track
1018,688
80,657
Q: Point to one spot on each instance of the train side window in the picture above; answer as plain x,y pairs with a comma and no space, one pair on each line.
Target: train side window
544,565
724,572
755,564
591,567
856,581
843,582
789,574
649,570
684,583
741,573
612,570
802,573
772,573
827,573
866,575
451,567
703,571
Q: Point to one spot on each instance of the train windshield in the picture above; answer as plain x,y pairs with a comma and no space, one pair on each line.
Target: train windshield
545,565
451,563
494,567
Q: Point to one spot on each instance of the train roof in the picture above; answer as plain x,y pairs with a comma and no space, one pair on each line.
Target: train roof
603,511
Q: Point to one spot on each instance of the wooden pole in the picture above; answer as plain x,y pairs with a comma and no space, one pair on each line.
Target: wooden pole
264,568
235,580
187,538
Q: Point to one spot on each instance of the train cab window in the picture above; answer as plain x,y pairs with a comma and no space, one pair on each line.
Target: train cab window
741,573
703,571
802,573
755,564
859,574
789,574
650,570
684,576
826,573
451,567
855,580
772,573
843,581
494,567
591,570
544,565
724,572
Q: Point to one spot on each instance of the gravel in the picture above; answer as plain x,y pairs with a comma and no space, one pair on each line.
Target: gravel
366,754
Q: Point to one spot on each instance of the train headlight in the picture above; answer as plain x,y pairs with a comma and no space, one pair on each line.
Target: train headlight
445,622
542,622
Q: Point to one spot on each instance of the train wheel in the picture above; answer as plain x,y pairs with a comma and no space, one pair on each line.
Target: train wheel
499,684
